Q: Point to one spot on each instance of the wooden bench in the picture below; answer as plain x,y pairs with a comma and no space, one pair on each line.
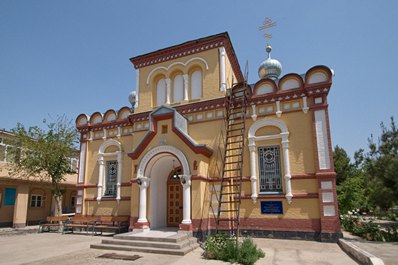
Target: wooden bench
52,221
114,223
80,222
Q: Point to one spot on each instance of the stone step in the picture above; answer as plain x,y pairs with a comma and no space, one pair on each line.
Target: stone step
142,237
180,252
152,244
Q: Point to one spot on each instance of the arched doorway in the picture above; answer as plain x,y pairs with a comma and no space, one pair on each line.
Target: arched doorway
154,175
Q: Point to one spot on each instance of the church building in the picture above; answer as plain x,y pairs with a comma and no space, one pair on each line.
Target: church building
164,161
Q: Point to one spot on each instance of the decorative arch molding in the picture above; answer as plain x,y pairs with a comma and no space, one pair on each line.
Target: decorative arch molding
176,63
143,181
283,135
108,143
101,170
161,150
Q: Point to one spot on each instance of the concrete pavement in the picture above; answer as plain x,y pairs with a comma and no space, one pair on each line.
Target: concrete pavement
55,248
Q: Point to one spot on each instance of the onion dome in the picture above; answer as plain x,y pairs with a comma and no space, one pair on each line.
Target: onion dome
270,68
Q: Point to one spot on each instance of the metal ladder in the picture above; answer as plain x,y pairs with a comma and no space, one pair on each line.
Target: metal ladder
228,215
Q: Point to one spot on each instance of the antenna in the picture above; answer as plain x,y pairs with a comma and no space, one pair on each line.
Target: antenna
268,23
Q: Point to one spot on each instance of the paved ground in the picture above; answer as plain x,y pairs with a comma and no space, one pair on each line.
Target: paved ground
388,252
54,248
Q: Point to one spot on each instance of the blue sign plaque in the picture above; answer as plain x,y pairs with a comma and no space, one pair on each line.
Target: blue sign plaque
271,207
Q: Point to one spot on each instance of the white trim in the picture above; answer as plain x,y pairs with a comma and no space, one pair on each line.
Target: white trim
137,87
223,85
175,63
145,179
283,135
322,140
101,169
82,162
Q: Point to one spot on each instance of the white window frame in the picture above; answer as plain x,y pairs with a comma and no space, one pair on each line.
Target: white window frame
36,200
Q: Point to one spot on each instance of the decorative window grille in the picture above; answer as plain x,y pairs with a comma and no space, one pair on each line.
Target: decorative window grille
110,178
269,165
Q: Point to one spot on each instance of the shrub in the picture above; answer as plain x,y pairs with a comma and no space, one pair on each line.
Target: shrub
223,247
367,229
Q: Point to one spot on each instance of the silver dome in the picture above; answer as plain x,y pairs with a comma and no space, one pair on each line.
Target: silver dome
270,68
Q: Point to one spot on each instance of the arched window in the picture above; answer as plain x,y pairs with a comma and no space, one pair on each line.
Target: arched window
196,84
161,92
178,85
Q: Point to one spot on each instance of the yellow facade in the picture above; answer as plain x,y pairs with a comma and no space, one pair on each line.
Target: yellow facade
153,140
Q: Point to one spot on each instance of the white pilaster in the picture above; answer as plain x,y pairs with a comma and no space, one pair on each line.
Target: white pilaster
137,87
253,175
143,200
305,105
186,78
119,175
278,109
285,146
322,140
82,162
223,84
186,212
254,114
100,176
168,90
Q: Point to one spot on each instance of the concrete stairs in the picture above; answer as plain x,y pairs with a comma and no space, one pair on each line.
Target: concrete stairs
159,242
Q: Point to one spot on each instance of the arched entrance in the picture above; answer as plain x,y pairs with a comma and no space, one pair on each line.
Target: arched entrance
154,176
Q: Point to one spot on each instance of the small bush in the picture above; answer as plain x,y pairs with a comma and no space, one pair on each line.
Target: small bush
223,247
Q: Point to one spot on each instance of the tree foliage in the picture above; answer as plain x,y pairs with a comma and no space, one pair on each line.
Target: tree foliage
372,180
44,153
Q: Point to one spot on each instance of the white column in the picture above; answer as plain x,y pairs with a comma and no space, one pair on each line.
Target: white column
286,160
186,78
142,208
104,134
119,175
305,105
168,90
100,176
253,177
137,87
186,211
223,84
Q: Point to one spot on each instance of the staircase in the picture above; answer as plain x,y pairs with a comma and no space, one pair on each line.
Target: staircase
228,215
159,242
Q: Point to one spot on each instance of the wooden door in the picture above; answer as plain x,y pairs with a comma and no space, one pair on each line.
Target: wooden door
174,202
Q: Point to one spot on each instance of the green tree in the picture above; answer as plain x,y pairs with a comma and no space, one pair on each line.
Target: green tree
381,164
45,153
350,180
342,165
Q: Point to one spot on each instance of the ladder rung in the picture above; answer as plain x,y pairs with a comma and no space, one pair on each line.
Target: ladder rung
228,220
235,148
228,211
234,162
234,142
229,193
229,170
229,201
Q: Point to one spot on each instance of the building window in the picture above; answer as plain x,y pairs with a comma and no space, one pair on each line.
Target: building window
161,92
110,178
196,84
269,166
73,201
178,87
36,201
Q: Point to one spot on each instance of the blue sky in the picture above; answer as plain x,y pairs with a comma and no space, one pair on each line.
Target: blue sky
71,57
